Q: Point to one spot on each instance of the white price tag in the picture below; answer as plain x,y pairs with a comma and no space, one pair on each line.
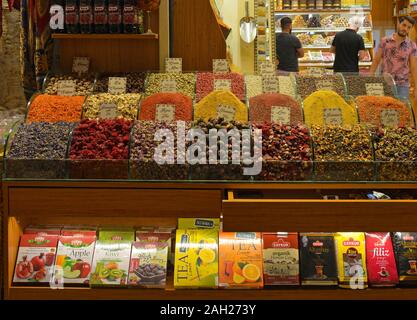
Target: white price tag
169,86
281,115
173,65
66,88
266,68
333,116
390,118
165,112
108,111
270,84
324,85
80,65
226,112
220,66
374,89
222,84
117,85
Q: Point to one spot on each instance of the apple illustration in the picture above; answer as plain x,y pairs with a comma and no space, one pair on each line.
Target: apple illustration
84,268
38,262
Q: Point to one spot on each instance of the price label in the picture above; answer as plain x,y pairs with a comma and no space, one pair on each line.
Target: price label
390,118
333,116
374,89
270,84
226,112
169,86
220,66
108,111
80,65
266,68
66,88
325,85
281,115
173,65
222,84
165,112
117,85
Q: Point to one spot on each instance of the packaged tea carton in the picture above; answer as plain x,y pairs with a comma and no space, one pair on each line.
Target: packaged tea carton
405,246
79,231
196,259
74,258
280,255
317,259
123,234
351,260
43,230
110,263
240,260
380,260
199,223
163,237
35,259
148,264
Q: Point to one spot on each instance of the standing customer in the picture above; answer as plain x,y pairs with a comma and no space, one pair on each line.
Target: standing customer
288,48
397,55
349,47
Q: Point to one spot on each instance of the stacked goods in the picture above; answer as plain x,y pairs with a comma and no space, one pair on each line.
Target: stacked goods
183,83
112,106
166,107
405,246
308,84
208,82
135,82
50,108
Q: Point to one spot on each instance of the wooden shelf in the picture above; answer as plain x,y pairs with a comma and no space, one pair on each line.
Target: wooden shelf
368,46
123,36
330,64
315,11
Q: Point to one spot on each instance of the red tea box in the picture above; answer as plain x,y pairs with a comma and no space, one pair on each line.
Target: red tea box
43,230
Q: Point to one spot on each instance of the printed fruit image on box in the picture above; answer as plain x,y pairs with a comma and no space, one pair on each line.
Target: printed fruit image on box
240,260
199,223
73,260
380,260
116,235
110,263
196,259
148,264
405,246
351,260
35,259
164,237
280,254
318,259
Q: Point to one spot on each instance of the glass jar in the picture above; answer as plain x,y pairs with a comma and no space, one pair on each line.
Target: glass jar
86,16
311,4
337,4
100,16
286,4
327,4
71,16
319,4
302,4
115,16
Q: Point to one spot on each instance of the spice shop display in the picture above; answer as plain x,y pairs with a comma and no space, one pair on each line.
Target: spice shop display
183,83
38,150
112,106
240,260
281,259
308,84
258,85
208,82
196,259
100,149
369,85
50,108
147,162
405,246
166,107
135,82
71,85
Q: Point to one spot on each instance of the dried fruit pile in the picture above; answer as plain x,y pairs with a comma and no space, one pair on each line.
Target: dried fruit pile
208,82
49,108
112,106
135,82
309,83
365,85
83,85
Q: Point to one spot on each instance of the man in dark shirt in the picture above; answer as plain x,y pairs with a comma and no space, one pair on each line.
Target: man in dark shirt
349,47
288,48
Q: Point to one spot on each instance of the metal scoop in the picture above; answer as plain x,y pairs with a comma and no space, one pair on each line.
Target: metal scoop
247,26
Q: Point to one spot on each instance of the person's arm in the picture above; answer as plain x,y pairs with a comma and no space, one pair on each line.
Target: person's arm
377,59
362,51
300,52
298,47
362,55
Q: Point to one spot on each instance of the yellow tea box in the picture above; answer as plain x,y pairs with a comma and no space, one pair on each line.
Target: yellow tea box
196,259
351,260
199,223
240,260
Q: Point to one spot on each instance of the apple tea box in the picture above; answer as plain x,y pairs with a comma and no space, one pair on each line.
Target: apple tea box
73,260
199,223
148,264
110,263
318,259
35,259
240,260
405,246
196,259
380,260
106,234
280,255
79,231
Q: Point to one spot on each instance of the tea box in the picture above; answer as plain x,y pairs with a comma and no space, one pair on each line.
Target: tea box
240,260
163,237
148,264
43,230
116,234
318,259
196,259
351,260
89,231
35,259
280,256
110,263
405,246
380,260
199,223
74,258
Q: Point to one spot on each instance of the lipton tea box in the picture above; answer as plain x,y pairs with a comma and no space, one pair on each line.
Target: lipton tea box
280,255
199,223
351,260
380,260
196,259
240,260
405,246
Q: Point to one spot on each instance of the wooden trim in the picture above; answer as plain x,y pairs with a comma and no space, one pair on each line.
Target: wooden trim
106,36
